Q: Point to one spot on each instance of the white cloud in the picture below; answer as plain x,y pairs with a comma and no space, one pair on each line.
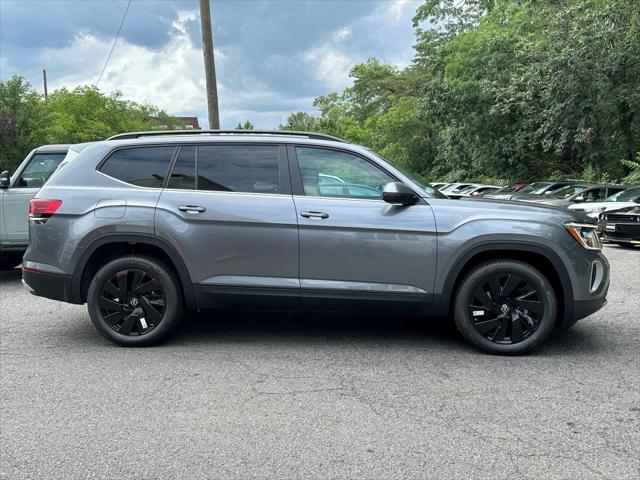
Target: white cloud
171,77
342,34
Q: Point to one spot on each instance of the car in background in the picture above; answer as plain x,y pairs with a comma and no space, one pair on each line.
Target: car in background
15,193
454,188
536,188
577,193
439,185
621,226
474,191
626,198
505,191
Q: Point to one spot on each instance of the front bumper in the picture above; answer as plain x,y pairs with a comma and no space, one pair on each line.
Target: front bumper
48,285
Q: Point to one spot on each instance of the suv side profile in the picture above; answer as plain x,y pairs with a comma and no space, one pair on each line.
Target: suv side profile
15,193
142,226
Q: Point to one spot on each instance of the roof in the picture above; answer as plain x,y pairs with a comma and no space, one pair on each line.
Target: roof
54,148
235,134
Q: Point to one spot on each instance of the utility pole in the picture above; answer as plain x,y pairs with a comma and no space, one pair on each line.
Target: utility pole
44,78
209,65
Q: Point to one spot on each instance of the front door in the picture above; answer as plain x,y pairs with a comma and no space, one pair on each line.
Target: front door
228,210
353,245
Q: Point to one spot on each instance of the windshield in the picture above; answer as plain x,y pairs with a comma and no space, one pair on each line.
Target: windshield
468,189
536,187
567,191
628,195
435,193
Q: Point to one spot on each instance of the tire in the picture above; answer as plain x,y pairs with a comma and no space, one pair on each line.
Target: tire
149,309
9,260
521,316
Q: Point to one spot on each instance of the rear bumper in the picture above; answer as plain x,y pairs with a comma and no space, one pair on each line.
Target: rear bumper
48,285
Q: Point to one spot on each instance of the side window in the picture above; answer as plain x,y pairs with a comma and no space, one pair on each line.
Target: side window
183,175
39,169
238,168
595,195
142,166
329,173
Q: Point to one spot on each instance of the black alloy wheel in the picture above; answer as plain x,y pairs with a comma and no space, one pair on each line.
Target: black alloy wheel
135,300
132,302
505,307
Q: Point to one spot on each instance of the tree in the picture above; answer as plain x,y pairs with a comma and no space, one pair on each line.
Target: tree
68,116
244,126
300,121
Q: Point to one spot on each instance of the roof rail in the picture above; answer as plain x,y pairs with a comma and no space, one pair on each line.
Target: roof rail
289,133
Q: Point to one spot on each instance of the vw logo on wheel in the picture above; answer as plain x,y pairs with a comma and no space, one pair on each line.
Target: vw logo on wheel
133,302
504,308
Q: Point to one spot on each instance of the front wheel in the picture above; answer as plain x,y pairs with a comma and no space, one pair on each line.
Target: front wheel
505,307
134,301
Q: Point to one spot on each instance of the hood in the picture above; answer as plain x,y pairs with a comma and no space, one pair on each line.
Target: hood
631,211
518,210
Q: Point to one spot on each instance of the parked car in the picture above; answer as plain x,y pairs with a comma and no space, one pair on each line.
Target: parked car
474,191
532,190
505,191
626,198
622,226
438,185
577,193
145,224
454,188
15,193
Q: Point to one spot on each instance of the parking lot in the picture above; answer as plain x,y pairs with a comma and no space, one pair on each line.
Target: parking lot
305,395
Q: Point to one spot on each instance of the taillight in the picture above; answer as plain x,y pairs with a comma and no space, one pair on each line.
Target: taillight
40,209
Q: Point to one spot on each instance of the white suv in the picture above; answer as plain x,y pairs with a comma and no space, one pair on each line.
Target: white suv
15,193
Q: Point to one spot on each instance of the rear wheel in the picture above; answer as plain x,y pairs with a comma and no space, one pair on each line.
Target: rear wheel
134,301
505,307
9,260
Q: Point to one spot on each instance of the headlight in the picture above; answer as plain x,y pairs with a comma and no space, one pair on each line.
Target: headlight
585,234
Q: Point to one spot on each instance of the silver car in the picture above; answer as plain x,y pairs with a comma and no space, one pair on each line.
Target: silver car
15,193
143,225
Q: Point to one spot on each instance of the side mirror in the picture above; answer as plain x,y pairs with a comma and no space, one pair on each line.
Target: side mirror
579,199
5,179
398,193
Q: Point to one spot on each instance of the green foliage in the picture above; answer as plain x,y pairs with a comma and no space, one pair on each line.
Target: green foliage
633,178
503,89
83,114
300,121
245,126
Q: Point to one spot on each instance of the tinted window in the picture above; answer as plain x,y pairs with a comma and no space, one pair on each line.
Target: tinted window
39,169
238,168
329,173
143,166
536,187
183,175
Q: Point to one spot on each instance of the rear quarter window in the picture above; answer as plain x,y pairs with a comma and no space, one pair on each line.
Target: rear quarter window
141,166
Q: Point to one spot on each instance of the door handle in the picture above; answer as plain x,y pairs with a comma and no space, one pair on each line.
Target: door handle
316,215
191,208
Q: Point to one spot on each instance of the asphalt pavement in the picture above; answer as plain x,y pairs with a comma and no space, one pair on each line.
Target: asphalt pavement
313,396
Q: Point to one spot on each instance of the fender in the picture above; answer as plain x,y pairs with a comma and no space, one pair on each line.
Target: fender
443,300
166,247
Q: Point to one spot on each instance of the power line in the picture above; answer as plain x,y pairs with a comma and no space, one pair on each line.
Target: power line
114,43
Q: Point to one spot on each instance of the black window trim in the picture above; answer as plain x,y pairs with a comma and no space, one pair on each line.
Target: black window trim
296,175
110,153
283,166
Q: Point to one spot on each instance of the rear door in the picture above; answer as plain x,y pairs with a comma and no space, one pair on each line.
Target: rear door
353,245
228,209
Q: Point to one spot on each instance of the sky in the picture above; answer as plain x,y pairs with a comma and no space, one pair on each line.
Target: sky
272,57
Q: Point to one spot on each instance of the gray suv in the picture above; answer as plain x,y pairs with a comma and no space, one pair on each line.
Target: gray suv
142,226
